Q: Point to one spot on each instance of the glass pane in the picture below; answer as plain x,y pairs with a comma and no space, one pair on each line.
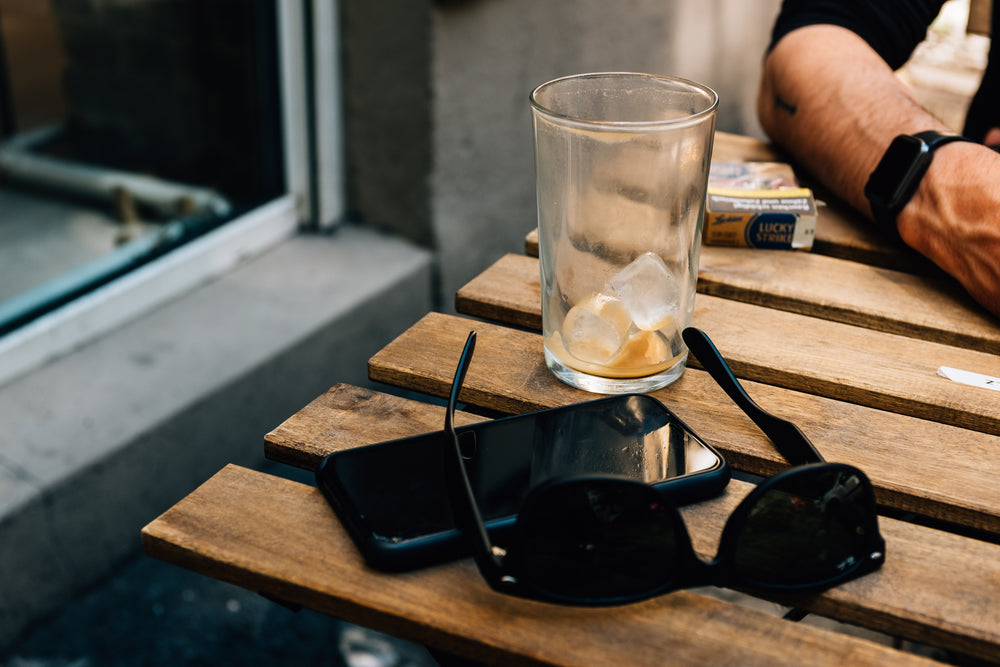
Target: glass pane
128,128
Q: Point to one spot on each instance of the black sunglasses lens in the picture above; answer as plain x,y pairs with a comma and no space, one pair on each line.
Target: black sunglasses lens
808,529
596,539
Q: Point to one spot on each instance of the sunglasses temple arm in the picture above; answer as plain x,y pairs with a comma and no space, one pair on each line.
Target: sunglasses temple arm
788,438
463,502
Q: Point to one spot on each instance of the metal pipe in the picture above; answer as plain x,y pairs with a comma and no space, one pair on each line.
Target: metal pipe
166,198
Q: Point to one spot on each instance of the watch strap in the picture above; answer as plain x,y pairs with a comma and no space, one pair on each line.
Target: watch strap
934,139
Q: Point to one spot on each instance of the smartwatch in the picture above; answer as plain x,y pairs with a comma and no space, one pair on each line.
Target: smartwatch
898,174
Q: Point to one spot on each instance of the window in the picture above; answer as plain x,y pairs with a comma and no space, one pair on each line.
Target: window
146,145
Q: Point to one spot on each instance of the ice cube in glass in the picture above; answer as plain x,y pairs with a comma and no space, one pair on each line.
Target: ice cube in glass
595,329
648,291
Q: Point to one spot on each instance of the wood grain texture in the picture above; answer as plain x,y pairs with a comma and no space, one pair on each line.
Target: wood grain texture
848,363
930,308
346,416
279,537
508,291
933,469
811,354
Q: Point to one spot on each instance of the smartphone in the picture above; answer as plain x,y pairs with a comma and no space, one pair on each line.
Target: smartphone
392,496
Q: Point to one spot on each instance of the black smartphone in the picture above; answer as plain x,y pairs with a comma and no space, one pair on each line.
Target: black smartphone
392,496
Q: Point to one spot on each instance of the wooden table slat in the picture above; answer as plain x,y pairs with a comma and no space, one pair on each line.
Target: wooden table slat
929,308
932,469
886,371
346,416
279,537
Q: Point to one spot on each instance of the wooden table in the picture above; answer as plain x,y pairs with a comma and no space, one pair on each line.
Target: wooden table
845,341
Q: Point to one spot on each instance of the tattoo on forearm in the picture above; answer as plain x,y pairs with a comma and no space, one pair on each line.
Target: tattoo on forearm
785,106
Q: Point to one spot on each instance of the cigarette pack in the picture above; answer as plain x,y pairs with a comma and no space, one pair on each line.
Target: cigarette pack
758,205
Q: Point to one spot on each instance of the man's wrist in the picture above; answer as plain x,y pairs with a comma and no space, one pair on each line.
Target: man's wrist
900,171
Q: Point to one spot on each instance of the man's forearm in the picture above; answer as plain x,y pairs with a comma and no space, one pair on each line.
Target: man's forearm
832,102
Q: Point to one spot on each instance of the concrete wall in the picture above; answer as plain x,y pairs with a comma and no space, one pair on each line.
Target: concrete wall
475,166
386,50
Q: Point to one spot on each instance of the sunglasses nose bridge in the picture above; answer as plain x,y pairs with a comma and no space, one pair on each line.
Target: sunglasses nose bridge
700,572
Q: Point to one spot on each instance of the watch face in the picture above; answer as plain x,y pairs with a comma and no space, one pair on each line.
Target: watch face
900,168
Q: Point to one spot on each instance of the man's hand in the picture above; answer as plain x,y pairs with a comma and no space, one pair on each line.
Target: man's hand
954,218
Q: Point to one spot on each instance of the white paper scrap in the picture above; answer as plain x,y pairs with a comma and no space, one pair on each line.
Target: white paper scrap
970,378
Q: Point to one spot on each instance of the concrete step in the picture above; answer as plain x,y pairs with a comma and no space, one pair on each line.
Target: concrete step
99,442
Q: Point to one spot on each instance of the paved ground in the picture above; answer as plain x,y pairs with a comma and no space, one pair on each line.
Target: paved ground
153,613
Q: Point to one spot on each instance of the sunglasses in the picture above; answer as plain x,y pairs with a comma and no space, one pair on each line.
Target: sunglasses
604,540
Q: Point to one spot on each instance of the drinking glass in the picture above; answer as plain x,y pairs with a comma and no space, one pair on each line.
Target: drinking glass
622,162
